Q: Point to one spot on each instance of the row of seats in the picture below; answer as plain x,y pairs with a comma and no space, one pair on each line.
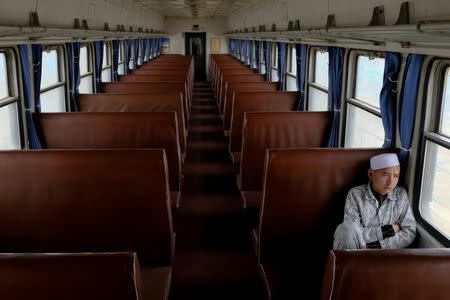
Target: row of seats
293,190
110,184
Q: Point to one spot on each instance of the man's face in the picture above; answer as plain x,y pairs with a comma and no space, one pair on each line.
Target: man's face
384,180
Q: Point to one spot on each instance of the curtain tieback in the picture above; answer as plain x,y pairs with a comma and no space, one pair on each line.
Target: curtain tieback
406,150
394,90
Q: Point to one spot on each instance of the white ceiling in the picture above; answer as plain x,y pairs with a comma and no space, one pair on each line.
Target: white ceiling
196,8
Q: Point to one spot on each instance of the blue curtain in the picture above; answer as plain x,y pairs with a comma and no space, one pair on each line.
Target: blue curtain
145,50
98,47
266,48
36,52
152,47
249,53
33,137
155,45
127,56
159,46
408,102
142,50
115,59
230,46
302,59
392,62
136,53
73,57
234,48
252,55
281,66
336,67
257,56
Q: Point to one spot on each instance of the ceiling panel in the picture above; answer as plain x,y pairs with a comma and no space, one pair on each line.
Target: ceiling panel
196,8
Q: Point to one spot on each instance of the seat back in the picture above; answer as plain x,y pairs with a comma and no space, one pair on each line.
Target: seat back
86,201
304,192
149,87
236,78
89,276
415,274
239,87
274,130
169,101
114,131
256,101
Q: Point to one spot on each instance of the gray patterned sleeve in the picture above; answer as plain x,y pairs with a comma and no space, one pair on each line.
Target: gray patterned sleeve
352,214
407,233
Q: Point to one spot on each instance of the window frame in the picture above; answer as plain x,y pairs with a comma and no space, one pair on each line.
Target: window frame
131,65
350,97
90,64
274,61
289,65
62,79
15,89
311,74
262,59
430,117
121,58
108,46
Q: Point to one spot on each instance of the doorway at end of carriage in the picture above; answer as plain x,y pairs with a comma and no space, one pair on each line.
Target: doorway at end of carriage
196,46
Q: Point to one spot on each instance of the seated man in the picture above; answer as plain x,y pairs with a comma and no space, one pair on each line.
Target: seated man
378,214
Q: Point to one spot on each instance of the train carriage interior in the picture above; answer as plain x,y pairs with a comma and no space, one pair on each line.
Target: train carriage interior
205,149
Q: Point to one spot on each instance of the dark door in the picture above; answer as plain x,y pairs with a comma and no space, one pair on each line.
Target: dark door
196,46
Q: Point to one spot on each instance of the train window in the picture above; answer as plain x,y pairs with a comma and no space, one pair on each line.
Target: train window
131,62
434,202
146,50
50,68
53,92
274,76
121,65
291,74
253,62
318,80
444,124
9,113
363,127
106,64
4,89
86,74
262,58
369,79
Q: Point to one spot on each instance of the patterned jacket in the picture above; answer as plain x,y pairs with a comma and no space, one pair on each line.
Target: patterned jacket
361,207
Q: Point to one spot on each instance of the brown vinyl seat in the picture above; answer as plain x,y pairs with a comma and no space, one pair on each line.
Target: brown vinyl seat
221,100
154,102
255,101
69,276
58,201
223,73
414,274
304,193
116,131
152,87
275,130
233,88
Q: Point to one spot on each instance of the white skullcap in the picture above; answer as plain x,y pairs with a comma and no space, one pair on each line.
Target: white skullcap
385,160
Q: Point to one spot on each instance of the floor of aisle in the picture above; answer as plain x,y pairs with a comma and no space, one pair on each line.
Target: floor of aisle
214,258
